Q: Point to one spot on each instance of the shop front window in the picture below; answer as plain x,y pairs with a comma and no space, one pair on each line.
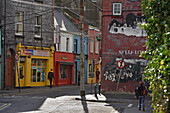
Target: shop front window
63,70
38,70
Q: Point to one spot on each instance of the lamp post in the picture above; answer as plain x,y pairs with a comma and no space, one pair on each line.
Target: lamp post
82,76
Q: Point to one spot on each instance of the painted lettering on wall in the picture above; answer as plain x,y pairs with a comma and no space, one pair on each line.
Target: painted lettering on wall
131,52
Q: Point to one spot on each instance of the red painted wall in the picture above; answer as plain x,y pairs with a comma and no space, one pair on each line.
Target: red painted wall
113,43
92,35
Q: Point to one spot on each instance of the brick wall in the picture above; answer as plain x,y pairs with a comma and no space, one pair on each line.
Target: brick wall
121,34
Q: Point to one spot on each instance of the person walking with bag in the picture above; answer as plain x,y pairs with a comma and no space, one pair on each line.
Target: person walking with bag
50,77
141,92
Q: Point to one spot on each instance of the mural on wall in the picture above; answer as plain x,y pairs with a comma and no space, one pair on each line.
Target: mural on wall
132,71
130,27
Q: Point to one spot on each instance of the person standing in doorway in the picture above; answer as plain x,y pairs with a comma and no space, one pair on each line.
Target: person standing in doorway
50,77
97,75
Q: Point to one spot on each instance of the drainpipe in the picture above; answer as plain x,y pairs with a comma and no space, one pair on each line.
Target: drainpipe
4,44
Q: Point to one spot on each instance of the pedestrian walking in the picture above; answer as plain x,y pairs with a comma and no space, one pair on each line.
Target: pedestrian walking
97,75
50,77
141,92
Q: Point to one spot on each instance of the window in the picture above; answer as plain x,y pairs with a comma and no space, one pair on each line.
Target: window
91,45
38,26
75,46
38,70
117,8
59,43
39,1
96,47
67,44
19,23
63,70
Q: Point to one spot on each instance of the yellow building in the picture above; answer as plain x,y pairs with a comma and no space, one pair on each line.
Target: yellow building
93,65
33,65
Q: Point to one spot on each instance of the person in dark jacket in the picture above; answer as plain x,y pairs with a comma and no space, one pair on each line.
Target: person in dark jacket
50,77
139,92
97,76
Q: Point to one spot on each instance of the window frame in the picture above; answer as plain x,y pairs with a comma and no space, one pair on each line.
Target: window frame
75,45
38,26
67,44
91,45
96,47
18,22
117,3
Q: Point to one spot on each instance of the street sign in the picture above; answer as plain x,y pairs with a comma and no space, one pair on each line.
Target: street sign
121,64
99,37
16,56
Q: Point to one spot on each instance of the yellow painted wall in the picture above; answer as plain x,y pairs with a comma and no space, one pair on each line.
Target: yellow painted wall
27,73
95,68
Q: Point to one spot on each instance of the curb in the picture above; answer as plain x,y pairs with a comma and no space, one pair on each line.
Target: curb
102,101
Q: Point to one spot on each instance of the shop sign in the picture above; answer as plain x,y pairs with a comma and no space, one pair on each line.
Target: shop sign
64,57
27,52
41,53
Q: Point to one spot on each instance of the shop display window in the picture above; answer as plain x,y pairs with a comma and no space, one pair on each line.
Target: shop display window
38,70
63,69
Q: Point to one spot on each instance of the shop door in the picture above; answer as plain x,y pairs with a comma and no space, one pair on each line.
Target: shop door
38,72
65,75
9,79
68,74
22,73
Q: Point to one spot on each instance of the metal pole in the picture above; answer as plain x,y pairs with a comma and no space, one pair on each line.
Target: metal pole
82,76
53,25
4,44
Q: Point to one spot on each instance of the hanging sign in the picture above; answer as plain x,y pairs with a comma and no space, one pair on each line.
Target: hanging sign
99,37
16,56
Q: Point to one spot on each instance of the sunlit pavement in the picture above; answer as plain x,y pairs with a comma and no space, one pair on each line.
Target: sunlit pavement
69,104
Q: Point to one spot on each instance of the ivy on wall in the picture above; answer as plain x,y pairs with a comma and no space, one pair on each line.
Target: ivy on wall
158,52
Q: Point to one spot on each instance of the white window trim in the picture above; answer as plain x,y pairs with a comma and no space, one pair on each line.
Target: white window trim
91,46
67,44
36,25
19,34
120,9
96,47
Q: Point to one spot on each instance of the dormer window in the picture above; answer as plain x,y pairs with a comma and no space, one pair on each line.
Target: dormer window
117,8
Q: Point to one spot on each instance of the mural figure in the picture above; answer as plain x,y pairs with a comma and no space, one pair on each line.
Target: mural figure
130,27
130,72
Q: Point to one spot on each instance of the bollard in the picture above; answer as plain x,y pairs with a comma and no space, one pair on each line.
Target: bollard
95,91
99,88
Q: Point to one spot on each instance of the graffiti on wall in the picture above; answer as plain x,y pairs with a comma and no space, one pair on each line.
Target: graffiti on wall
130,27
132,71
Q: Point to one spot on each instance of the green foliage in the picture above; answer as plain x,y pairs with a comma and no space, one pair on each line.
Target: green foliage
158,52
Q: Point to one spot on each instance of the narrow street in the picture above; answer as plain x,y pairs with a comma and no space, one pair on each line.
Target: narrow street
67,99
